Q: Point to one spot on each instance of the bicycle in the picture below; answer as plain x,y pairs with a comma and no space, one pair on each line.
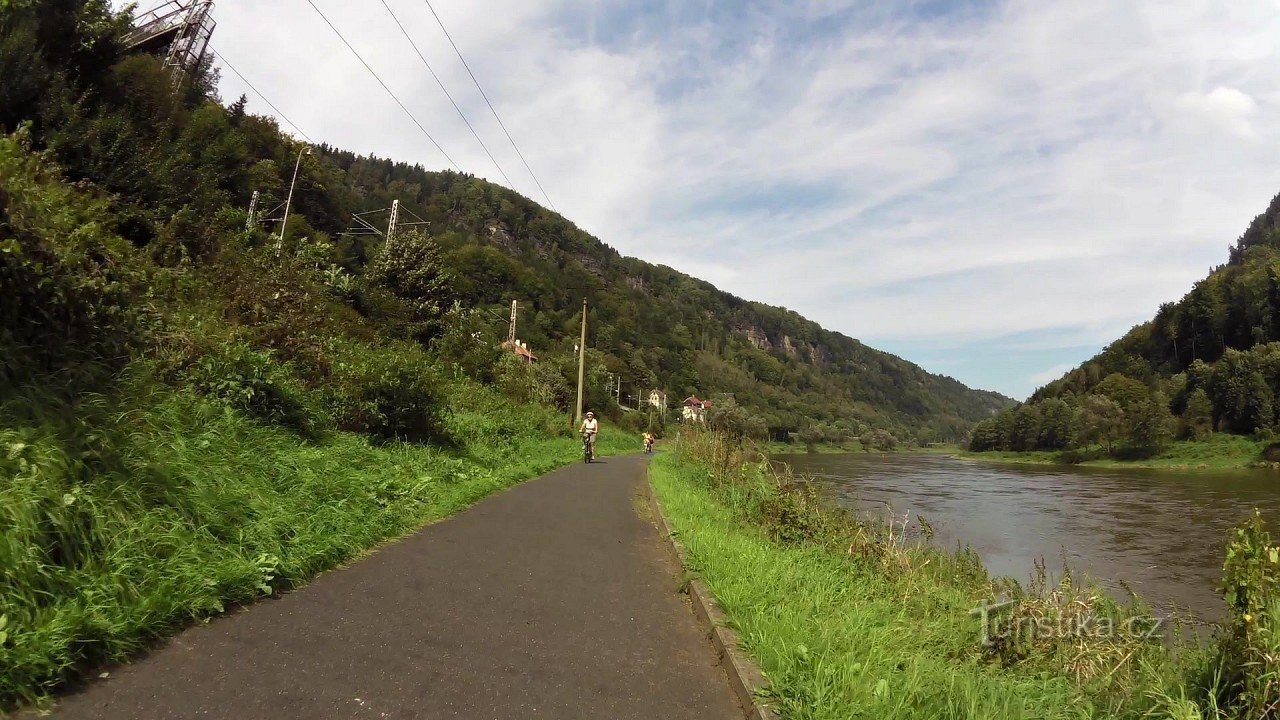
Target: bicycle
588,448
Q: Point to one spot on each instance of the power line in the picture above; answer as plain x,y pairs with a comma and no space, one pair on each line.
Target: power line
383,84
446,94
259,94
490,104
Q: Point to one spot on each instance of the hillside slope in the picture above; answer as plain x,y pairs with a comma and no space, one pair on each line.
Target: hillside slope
657,327
1209,362
180,170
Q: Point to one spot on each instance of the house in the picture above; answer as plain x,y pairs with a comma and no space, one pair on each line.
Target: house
694,410
658,399
521,350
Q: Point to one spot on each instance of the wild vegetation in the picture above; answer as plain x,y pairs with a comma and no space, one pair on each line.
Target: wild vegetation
1206,364
197,408
844,613
176,172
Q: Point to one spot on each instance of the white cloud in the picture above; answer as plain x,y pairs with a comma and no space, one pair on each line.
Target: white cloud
1226,107
1027,165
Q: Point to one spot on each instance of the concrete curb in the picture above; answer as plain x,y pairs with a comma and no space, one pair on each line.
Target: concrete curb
744,676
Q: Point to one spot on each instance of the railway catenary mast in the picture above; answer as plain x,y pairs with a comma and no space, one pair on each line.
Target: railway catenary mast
178,30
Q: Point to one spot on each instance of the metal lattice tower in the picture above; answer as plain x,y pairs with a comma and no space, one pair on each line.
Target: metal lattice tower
179,30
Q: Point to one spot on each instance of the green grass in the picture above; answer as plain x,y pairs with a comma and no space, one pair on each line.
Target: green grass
1220,451
838,640
152,510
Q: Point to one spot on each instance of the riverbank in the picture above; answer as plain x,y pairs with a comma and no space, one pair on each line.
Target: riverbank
775,447
842,615
1219,452
158,508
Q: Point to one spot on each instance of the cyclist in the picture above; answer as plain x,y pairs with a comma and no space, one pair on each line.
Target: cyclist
590,426
648,441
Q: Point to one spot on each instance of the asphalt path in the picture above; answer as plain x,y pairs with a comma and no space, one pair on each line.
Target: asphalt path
554,599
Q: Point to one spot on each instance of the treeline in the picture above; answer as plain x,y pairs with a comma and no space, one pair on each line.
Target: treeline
1208,363
657,327
175,172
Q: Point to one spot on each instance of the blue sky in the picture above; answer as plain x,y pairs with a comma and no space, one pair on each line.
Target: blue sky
994,190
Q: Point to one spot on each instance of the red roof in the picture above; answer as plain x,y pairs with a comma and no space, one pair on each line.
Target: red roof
520,350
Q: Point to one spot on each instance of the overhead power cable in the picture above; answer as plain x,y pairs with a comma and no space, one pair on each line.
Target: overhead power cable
490,104
258,92
427,65
383,84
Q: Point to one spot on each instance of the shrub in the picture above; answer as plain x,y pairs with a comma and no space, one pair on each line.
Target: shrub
532,382
253,382
411,270
392,395
70,287
468,347
1245,677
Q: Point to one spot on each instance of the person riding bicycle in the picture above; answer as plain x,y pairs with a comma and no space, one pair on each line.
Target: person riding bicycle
648,441
590,426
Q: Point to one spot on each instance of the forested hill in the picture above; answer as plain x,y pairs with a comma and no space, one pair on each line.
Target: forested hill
177,170
657,327
1207,363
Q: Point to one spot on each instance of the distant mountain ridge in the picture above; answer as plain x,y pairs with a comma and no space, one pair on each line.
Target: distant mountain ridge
660,327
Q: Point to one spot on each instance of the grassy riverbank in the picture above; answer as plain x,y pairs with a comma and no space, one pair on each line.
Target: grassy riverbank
848,620
155,508
1220,451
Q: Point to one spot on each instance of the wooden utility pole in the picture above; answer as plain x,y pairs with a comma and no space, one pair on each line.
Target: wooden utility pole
582,361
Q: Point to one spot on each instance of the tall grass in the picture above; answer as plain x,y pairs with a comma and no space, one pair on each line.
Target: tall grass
124,517
849,619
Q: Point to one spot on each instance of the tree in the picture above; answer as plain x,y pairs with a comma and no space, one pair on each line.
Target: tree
1101,422
810,437
1057,424
1241,398
410,269
1197,419
728,417
878,439
1150,426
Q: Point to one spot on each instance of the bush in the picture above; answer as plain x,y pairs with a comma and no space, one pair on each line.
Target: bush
392,395
1245,677
70,286
538,383
253,382
410,269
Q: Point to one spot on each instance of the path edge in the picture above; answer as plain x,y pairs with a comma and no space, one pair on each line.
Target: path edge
744,675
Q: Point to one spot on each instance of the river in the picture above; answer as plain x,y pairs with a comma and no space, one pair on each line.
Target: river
1161,532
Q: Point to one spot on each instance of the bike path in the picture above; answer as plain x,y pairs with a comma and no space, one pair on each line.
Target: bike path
554,599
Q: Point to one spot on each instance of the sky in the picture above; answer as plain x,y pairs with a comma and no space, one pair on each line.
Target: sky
994,190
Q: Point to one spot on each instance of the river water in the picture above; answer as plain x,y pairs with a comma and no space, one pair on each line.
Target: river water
1163,533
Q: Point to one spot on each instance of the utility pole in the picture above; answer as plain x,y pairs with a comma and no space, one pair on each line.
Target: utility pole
582,361
395,218
253,208
284,222
511,331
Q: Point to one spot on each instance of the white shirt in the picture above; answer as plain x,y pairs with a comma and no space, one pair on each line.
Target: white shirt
590,425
